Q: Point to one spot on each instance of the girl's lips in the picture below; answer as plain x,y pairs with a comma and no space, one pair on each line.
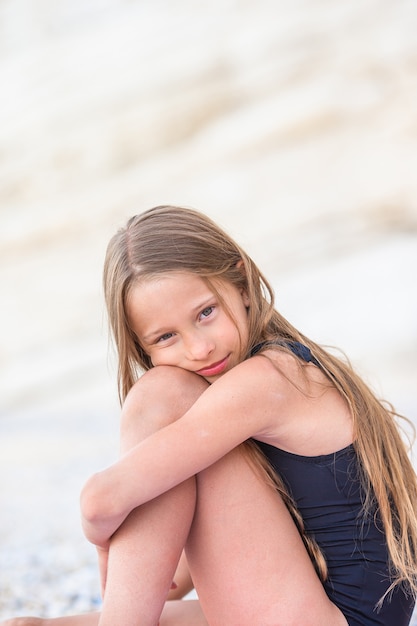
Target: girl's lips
214,368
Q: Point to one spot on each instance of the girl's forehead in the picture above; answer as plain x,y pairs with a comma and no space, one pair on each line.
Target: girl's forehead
166,288
168,280
180,279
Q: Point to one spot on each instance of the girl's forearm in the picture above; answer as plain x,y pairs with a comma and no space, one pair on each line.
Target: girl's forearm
100,514
110,495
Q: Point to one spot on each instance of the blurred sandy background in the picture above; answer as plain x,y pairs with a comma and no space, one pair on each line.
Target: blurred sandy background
293,124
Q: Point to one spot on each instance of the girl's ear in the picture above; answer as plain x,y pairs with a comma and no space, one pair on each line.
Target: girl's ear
245,298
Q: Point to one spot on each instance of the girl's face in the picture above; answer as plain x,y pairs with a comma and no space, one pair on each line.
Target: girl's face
179,321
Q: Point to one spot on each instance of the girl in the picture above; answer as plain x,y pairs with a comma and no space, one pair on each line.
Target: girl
245,443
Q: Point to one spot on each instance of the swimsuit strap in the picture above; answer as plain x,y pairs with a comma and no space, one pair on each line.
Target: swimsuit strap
297,348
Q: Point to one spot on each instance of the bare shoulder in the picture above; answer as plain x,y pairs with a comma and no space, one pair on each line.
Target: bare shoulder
257,370
267,379
312,417
277,369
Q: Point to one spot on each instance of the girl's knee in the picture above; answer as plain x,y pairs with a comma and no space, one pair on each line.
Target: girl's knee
162,395
166,386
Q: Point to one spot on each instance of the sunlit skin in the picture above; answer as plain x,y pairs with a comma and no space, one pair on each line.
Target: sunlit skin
180,321
183,323
138,507
193,329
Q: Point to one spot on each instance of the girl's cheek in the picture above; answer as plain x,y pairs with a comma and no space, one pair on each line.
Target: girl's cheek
163,357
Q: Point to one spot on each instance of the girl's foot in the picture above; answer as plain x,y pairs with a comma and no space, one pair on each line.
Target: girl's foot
23,621
86,619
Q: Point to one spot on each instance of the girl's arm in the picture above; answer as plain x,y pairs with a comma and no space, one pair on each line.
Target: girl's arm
243,403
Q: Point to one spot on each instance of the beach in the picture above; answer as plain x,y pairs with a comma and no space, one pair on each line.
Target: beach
293,127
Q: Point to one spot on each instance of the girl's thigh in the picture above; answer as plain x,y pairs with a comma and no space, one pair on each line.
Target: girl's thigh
247,559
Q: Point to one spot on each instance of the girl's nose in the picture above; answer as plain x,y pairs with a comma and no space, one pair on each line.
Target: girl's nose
199,347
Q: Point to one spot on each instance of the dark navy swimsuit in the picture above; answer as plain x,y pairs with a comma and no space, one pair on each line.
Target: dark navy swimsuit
327,492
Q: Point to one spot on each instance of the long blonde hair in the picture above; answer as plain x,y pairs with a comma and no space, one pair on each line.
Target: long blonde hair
168,239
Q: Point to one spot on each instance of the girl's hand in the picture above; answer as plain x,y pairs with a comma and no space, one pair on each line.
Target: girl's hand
182,583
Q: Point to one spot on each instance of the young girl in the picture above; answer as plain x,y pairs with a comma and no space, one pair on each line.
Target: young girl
264,457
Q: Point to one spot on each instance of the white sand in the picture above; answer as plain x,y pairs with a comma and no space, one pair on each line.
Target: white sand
292,125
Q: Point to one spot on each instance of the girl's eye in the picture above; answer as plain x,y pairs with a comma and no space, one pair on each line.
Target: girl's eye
164,337
207,311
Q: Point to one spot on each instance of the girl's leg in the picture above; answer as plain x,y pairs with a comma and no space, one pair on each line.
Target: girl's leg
247,560
145,551
246,557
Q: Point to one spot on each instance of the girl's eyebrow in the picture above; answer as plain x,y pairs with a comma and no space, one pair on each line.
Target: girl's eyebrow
160,331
